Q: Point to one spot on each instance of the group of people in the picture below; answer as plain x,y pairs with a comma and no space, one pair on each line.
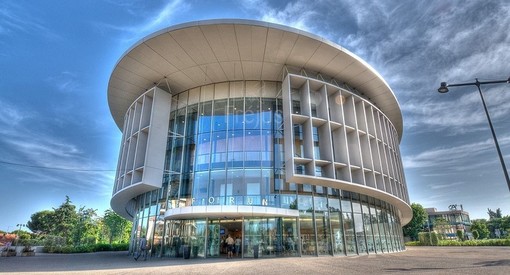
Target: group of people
232,246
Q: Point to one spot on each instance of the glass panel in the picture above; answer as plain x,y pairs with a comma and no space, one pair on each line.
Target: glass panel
261,235
204,120
220,115
252,181
307,231
217,188
252,148
252,237
174,248
252,113
185,190
267,148
368,231
235,149
236,114
360,234
235,178
356,207
375,228
213,238
296,107
322,226
350,240
267,113
203,150
316,149
346,206
198,238
298,141
219,150
336,226
200,183
382,229
290,238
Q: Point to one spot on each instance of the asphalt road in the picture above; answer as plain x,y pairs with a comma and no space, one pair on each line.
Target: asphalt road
416,260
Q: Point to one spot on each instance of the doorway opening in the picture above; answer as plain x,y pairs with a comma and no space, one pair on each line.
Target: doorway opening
219,230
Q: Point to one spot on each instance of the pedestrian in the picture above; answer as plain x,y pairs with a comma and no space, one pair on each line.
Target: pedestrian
238,246
142,249
230,246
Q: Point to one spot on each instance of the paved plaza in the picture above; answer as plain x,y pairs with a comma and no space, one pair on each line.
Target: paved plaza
416,260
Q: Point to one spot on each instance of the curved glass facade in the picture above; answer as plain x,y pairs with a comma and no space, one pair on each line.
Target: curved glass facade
226,147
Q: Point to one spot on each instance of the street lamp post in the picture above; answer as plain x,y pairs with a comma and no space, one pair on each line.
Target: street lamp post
444,89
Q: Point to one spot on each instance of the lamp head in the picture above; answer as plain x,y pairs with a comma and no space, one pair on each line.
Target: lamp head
444,88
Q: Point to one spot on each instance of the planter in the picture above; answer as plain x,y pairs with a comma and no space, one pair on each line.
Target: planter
8,253
29,253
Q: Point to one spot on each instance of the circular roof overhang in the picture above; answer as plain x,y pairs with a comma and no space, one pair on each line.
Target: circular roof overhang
203,52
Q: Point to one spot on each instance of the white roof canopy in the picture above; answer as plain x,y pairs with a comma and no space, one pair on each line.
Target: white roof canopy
203,52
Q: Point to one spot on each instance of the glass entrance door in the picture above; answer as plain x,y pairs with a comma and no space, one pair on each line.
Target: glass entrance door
213,238
218,232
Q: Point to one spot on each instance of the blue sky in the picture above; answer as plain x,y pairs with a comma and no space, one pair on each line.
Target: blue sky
57,136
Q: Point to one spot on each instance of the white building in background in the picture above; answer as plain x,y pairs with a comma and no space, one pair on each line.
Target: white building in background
273,135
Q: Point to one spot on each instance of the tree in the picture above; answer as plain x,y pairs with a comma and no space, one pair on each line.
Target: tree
480,226
85,231
494,214
65,218
442,225
475,234
416,224
115,226
41,222
496,223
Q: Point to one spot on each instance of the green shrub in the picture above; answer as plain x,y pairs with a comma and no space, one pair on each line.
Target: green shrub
460,235
120,247
86,248
414,243
434,238
424,238
476,235
487,242
103,247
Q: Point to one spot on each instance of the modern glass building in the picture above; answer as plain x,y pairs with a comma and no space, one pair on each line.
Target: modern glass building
282,139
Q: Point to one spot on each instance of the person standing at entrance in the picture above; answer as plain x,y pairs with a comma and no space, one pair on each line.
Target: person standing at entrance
230,246
238,246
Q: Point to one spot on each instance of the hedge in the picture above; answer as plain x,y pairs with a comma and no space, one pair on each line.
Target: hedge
485,242
86,248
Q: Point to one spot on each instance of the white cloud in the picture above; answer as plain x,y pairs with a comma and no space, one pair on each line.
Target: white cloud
153,21
458,112
456,157
65,82
10,116
16,18
33,148
446,186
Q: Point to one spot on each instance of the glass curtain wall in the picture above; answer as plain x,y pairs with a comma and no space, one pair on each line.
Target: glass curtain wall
228,150
331,222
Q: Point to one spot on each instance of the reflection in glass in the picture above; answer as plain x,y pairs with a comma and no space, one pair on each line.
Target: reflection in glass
322,226
350,239
360,234
336,226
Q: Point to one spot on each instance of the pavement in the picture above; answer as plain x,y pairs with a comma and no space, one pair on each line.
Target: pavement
415,260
